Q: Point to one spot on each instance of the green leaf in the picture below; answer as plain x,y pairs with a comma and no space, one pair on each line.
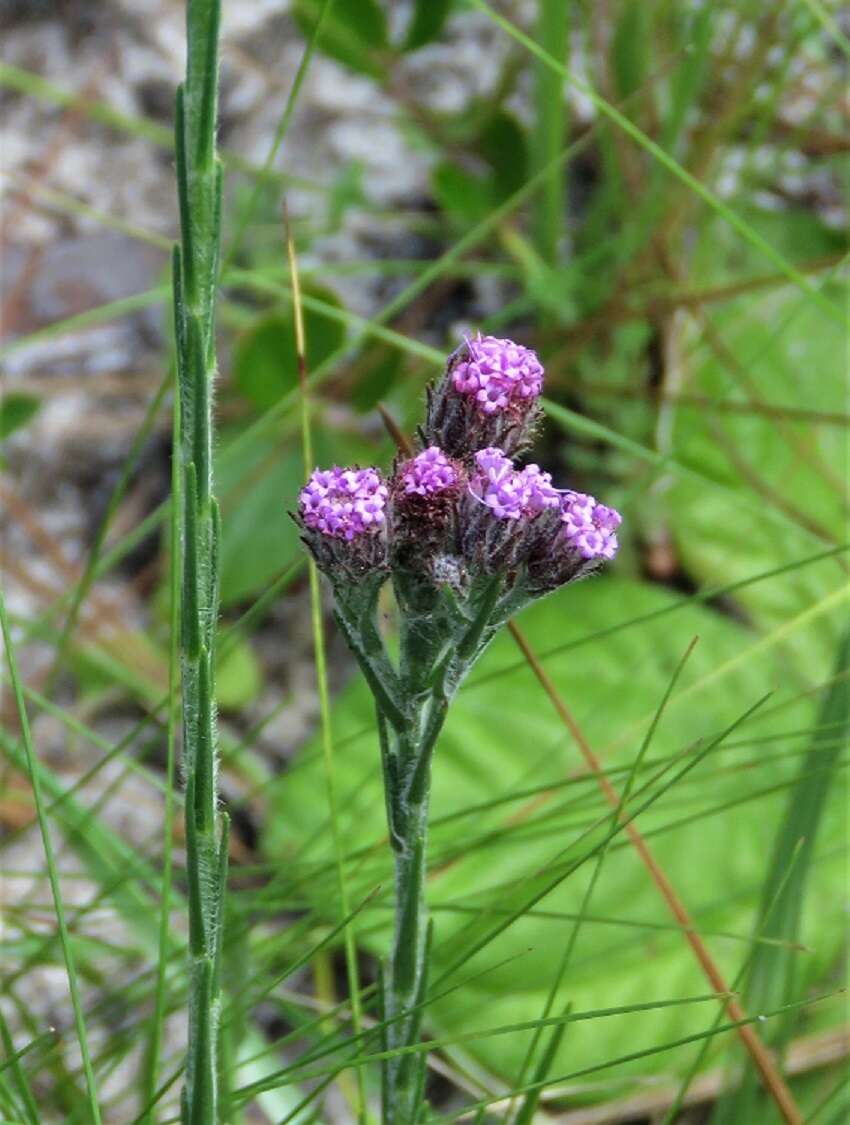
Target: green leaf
789,465
16,409
462,194
239,676
426,23
772,978
265,365
630,49
503,145
380,369
503,740
354,32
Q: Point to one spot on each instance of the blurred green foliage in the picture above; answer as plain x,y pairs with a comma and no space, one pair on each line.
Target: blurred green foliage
695,385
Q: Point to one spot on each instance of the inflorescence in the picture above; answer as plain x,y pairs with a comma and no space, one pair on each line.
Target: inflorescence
461,502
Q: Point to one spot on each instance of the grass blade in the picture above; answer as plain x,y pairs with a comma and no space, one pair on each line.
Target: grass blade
771,981
53,874
322,678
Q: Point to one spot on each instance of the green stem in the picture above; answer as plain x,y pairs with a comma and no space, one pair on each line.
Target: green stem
407,970
547,137
195,279
439,644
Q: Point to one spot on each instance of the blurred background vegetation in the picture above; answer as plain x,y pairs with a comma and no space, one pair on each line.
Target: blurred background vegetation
652,193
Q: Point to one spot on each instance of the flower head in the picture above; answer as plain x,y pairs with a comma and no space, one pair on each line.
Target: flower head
428,473
510,493
487,398
343,503
588,527
497,484
540,493
496,373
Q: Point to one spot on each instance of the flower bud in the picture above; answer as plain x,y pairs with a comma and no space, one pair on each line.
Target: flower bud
342,515
424,494
487,398
575,541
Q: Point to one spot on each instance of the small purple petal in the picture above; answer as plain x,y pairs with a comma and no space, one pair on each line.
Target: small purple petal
510,493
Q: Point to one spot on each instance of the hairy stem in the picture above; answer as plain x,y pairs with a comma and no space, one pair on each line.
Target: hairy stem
194,279
405,754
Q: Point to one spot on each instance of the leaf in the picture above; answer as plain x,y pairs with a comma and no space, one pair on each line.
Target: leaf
460,193
426,23
630,49
785,354
16,409
772,978
354,32
503,145
239,677
502,740
380,369
265,366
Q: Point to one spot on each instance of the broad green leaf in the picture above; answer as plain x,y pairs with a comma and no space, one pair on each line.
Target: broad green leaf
503,738
784,354
462,194
772,980
503,145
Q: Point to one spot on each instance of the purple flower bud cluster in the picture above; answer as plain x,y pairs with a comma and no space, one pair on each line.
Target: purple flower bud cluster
486,399
343,503
495,373
589,528
461,508
511,493
428,473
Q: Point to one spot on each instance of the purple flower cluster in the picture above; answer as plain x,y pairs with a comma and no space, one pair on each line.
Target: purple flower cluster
461,507
496,373
487,398
428,473
589,528
510,493
343,503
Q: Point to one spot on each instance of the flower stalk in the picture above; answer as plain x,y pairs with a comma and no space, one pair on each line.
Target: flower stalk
195,275
466,540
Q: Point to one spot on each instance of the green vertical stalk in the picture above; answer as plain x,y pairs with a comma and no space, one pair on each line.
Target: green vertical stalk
195,277
437,650
547,138
405,756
